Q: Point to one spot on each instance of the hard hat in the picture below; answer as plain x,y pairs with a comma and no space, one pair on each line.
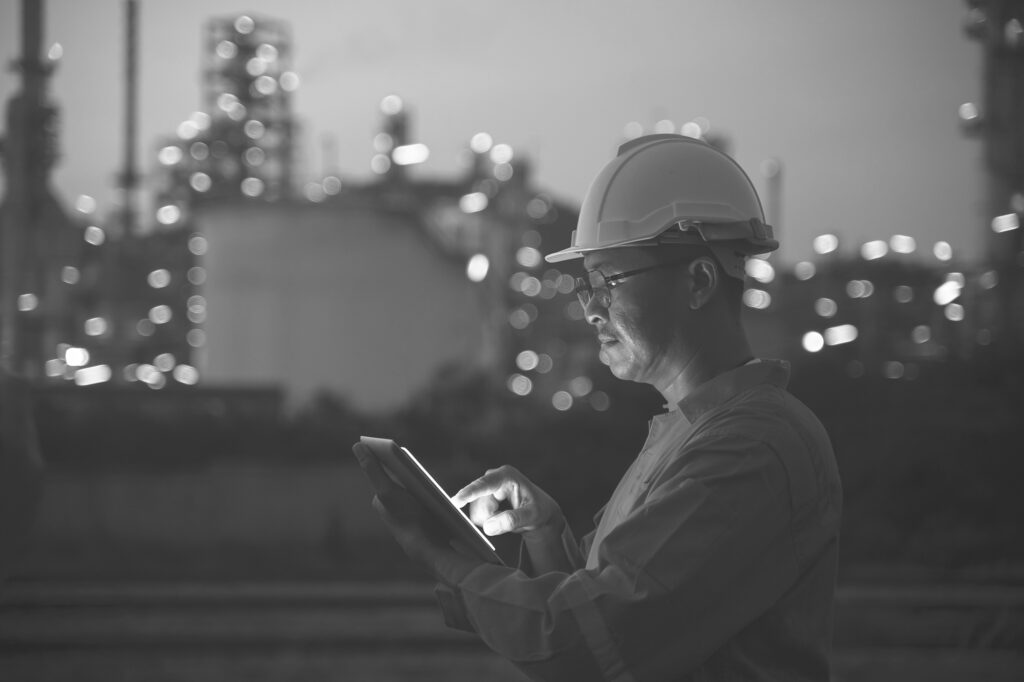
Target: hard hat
672,189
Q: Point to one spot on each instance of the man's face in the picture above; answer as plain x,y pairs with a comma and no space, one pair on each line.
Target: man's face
641,331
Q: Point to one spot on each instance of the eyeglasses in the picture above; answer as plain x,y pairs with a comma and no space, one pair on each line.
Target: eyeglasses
597,285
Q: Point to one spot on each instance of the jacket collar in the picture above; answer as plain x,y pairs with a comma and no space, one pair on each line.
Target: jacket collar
720,389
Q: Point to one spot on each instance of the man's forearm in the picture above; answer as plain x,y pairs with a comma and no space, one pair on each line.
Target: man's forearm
552,548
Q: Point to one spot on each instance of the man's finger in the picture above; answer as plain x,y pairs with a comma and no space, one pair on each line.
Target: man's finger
512,520
505,522
379,478
485,485
482,509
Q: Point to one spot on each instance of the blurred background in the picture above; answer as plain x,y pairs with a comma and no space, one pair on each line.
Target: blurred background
236,238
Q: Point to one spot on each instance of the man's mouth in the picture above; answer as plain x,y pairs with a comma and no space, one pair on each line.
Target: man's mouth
605,340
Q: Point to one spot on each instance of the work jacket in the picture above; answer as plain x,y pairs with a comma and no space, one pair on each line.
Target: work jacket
714,559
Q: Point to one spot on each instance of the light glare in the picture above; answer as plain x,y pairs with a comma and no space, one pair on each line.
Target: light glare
825,243
527,360
409,154
562,400
169,155
813,342
874,250
481,143
391,105
477,267
947,292
76,357
804,270
85,204
501,153
758,299
1005,223
901,243
474,202
760,270
27,302
168,215
95,235
826,307
95,326
92,375
186,374
843,333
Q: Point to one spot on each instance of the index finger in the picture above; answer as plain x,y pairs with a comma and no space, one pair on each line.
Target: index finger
488,484
379,478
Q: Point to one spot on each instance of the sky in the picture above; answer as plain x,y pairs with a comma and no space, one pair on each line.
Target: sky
857,100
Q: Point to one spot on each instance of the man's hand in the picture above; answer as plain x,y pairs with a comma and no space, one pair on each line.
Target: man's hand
408,521
532,508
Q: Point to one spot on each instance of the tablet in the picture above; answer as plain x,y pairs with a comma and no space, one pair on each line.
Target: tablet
406,470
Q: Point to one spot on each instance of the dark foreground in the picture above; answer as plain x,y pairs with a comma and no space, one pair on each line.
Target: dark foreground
257,632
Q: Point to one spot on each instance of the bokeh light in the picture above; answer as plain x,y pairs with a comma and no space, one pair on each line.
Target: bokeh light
410,154
94,235
481,143
168,215
813,342
826,307
901,243
159,278
760,270
200,182
474,202
477,267
391,105
85,204
804,270
825,243
1005,223
843,333
197,244
160,314
186,374
290,81
527,360
874,250
562,400
95,326
520,385
758,299
27,302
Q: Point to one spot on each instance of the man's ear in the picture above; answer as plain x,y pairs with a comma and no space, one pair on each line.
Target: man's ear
704,281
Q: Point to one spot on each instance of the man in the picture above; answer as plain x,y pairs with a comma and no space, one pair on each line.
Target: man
715,557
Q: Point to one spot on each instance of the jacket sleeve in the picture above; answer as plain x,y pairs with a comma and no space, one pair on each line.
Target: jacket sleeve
707,552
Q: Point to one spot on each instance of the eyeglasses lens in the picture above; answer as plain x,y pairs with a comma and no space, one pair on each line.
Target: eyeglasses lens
592,285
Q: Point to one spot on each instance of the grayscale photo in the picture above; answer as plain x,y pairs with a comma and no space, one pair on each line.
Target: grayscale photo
446,341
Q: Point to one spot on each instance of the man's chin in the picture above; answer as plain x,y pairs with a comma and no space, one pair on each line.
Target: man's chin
618,367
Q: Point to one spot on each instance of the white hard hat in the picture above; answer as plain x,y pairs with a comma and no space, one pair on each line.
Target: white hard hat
672,189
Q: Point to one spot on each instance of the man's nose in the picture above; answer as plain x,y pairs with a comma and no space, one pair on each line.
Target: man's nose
595,313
